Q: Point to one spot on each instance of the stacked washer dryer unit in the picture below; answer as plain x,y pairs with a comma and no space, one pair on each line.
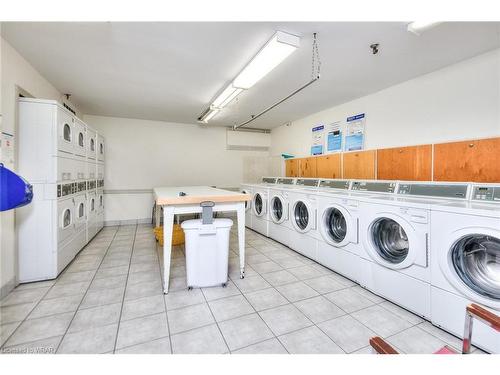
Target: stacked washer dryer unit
465,243
304,217
395,234
280,226
95,184
248,189
260,203
53,156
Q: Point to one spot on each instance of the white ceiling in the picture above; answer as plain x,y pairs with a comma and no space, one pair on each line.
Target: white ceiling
172,71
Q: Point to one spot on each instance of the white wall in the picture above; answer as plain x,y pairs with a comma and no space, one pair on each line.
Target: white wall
458,102
142,154
17,74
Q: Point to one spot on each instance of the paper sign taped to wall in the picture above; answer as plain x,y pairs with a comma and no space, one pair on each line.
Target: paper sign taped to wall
334,137
6,148
318,140
355,132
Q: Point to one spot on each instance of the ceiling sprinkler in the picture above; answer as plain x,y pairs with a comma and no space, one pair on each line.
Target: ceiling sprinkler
374,48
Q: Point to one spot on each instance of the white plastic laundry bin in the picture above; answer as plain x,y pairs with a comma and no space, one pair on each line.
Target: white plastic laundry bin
207,252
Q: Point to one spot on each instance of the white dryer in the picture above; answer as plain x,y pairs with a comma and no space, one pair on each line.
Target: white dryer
248,189
280,226
259,205
394,232
465,263
304,217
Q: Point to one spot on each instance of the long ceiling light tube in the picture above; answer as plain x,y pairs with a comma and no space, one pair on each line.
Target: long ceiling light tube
208,114
315,75
275,51
418,27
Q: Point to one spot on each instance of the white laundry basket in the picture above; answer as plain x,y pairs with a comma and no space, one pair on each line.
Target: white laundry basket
207,252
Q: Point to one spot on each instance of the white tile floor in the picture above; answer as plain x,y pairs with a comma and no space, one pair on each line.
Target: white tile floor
109,300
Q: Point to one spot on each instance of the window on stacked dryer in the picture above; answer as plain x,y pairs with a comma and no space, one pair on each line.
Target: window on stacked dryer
476,261
81,140
390,240
67,132
66,222
81,210
335,224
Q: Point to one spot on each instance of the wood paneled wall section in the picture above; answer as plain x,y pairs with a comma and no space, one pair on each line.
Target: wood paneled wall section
359,164
476,160
412,163
308,167
292,167
329,166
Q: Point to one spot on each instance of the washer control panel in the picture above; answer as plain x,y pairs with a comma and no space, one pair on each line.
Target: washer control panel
65,189
434,190
91,184
269,180
285,181
335,184
486,193
382,187
307,182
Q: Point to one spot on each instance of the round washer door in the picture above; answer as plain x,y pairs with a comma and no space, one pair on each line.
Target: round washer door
278,209
303,216
248,204
336,225
473,265
393,242
259,204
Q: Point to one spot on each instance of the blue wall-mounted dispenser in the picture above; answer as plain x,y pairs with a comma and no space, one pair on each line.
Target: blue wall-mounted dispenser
15,191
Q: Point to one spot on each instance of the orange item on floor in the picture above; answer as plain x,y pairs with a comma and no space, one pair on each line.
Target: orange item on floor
177,235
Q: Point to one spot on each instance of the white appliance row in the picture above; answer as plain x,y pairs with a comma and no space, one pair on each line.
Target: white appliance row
63,158
429,247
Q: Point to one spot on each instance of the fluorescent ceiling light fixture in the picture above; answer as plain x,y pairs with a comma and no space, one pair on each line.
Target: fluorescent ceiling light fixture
418,27
226,96
277,49
209,114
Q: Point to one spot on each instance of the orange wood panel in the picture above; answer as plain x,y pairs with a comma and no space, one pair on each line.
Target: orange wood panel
412,163
329,166
292,167
475,160
359,164
308,167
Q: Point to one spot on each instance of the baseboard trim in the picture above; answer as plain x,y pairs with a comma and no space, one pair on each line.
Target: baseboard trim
114,223
7,288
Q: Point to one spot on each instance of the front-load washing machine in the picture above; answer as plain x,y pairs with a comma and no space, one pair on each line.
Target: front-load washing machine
248,189
303,216
465,263
337,231
339,247
263,184
260,205
394,232
280,227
